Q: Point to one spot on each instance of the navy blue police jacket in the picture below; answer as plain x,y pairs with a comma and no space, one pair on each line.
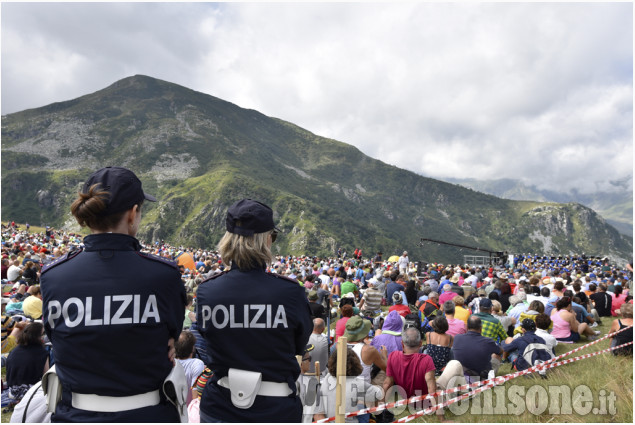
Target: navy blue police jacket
257,321
109,311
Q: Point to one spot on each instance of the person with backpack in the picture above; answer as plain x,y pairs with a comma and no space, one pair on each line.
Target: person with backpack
515,348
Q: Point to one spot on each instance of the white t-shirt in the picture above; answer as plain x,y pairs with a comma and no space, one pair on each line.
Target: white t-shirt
193,369
550,340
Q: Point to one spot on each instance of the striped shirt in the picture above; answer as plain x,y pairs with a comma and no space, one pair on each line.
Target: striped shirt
372,299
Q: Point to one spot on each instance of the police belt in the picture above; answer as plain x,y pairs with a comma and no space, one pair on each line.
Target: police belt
245,385
101,403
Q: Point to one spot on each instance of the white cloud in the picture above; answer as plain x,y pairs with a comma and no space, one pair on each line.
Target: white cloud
540,92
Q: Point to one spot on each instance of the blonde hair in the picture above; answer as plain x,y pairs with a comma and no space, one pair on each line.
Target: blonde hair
496,306
245,252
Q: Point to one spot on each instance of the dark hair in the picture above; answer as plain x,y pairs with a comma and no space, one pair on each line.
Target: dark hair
493,296
88,207
618,290
558,286
593,287
568,293
449,307
347,310
440,325
542,321
31,335
545,292
184,346
506,289
353,365
534,281
563,302
537,306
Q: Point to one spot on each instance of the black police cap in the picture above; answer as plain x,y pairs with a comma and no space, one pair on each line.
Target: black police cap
247,217
123,186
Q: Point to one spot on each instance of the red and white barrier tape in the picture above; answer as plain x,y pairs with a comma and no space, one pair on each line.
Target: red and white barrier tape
472,385
501,380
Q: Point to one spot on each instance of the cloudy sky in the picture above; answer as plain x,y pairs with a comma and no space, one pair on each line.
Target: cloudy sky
540,92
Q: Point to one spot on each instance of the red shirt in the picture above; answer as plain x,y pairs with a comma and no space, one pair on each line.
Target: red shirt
403,310
409,371
340,327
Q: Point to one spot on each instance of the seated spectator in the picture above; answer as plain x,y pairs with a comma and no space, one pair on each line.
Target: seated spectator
398,305
411,293
430,308
447,294
505,294
534,309
30,273
623,337
190,316
439,344
27,362
617,300
545,294
415,372
475,304
370,304
543,323
356,334
565,327
455,326
320,342
515,347
390,336
184,348
460,311
317,310
356,387
477,354
602,301
506,322
491,326
517,306
349,287
340,326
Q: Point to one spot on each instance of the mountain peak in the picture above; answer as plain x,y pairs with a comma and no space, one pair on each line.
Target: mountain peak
198,154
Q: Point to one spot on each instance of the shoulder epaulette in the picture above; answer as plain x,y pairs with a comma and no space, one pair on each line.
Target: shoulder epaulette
64,258
158,259
279,276
215,276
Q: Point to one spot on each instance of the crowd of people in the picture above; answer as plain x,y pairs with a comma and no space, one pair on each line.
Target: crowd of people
412,328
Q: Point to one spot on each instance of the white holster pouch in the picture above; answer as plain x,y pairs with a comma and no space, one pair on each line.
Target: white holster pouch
52,388
175,388
245,385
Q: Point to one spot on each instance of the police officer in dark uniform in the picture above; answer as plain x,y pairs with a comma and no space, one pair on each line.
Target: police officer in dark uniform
255,323
112,312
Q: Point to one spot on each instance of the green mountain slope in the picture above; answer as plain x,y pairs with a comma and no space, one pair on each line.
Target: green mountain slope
615,206
198,154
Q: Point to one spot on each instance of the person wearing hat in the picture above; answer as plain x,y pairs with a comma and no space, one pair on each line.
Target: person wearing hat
491,326
112,312
513,348
403,262
317,310
254,322
475,304
398,306
356,334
